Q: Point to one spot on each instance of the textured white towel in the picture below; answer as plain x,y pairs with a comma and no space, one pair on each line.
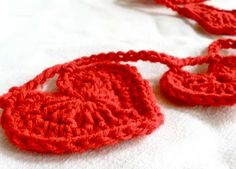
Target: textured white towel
35,34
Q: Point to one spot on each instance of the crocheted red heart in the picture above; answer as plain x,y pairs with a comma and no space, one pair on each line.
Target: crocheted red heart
216,88
213,20
96,104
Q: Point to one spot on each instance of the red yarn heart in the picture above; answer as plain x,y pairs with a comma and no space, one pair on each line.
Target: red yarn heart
212,89
213,20
216,88
95,104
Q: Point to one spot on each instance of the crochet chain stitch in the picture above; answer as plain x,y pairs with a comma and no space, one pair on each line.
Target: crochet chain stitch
213,20
101,101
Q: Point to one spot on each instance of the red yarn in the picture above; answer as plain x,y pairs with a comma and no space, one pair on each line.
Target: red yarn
178,2
100,101
216,88
213,20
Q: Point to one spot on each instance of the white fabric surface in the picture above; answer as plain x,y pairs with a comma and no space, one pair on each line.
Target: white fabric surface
35,34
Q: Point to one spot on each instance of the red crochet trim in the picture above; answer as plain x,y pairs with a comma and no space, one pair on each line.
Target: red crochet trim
213,20
100,101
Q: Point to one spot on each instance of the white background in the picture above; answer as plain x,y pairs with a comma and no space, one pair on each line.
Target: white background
35,34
